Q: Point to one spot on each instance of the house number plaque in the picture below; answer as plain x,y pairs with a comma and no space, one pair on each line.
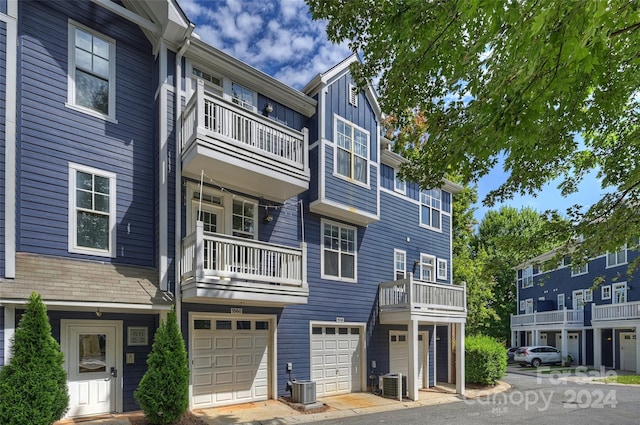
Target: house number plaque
236,310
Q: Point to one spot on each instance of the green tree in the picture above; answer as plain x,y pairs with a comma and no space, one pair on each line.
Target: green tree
513,82
33,385
163,392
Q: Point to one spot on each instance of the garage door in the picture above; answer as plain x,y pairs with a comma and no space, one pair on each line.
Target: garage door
399,355
336,359
230,360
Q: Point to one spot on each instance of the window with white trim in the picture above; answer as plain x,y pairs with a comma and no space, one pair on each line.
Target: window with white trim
617,258
92,211
561,301
400,264
243,96
588,295
525,279
431,208
92,71
580,270
338,251
427,268
244,219
399,185
605,292
522,305
442,269
528,308
578,299
212,83
352,151
619,293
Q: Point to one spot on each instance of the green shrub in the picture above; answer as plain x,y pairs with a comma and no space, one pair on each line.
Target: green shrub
33,385
163,392
485,360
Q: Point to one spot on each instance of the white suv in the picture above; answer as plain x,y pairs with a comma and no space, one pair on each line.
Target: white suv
537,354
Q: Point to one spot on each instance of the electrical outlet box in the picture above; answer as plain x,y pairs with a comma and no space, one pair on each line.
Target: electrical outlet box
131,358
289,367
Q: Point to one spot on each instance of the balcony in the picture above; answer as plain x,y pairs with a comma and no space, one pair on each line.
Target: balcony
410,299
242,150
556,317
622,311
219,268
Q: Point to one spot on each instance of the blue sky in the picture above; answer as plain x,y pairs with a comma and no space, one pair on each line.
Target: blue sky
280,39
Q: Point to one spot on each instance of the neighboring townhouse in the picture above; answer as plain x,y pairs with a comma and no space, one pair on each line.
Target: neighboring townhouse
591,312
150,169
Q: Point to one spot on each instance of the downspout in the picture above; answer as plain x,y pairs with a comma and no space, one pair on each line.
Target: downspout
178,165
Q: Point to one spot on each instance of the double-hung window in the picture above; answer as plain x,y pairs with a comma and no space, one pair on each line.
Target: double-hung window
442,269
92,211
399,185
338,251
617,258
400,264
352,151
605,293
244,219
580,270
431,208
92,72
427,268
525,277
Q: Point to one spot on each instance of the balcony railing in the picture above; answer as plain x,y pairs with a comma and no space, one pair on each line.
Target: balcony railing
418,296
548,318
229,122
616,311
212,258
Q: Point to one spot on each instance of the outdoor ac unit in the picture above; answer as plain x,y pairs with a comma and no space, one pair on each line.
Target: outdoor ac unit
394,385
303,392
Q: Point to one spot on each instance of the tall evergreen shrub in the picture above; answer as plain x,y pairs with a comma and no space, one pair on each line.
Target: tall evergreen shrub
33,386
485,360
163,392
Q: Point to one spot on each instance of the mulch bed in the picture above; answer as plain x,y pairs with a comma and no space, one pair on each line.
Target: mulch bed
188,419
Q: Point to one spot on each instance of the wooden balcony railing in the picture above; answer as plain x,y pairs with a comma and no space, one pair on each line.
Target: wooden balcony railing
419,296
617,311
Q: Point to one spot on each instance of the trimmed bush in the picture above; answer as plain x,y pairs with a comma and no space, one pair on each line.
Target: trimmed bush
485,360
163,392
33,386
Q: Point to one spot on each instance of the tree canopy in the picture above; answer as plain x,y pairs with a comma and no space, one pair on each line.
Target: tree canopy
547,88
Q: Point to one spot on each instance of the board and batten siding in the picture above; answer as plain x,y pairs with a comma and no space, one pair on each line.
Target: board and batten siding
3,99
1,337
314,167
351,195
52,135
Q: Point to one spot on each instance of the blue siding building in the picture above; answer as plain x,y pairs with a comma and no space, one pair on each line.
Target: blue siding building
591,313
150,169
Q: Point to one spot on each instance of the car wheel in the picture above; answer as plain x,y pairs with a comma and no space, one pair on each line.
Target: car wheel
535,362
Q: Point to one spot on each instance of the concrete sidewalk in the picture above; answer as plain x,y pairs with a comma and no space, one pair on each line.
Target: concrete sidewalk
275,412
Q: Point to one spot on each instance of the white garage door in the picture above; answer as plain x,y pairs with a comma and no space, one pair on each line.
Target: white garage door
230,360
399,355
336,359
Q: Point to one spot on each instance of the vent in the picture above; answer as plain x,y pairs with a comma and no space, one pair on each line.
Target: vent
303,392
391,385
353,95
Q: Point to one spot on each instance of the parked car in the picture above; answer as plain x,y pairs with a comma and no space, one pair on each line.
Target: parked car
536,355
510,352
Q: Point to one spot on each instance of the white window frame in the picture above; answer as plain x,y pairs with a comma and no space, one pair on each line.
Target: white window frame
399,185
528,306
429,262
431,202
575,295
619,288
396,261
522,305
352,152
605,292
579,271
588,295
526,281
340,226
241,103
561,302
610,255
73,246
241,233
71,72
442,269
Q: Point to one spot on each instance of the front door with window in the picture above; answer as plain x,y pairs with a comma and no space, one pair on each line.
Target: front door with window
92,364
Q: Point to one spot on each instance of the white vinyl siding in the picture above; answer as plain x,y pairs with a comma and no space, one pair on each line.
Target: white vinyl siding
91,72
92,211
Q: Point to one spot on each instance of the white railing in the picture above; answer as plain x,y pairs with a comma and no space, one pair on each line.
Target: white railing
548,317
223,257
417,295
617,311
230,122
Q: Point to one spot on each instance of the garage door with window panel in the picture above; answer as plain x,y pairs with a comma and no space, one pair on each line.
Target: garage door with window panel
230,360
336,358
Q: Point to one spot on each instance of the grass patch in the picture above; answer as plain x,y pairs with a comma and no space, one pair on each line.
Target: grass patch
626,379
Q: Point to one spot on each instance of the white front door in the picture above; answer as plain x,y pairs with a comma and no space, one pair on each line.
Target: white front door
399,355
93,365
628,351
336,358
